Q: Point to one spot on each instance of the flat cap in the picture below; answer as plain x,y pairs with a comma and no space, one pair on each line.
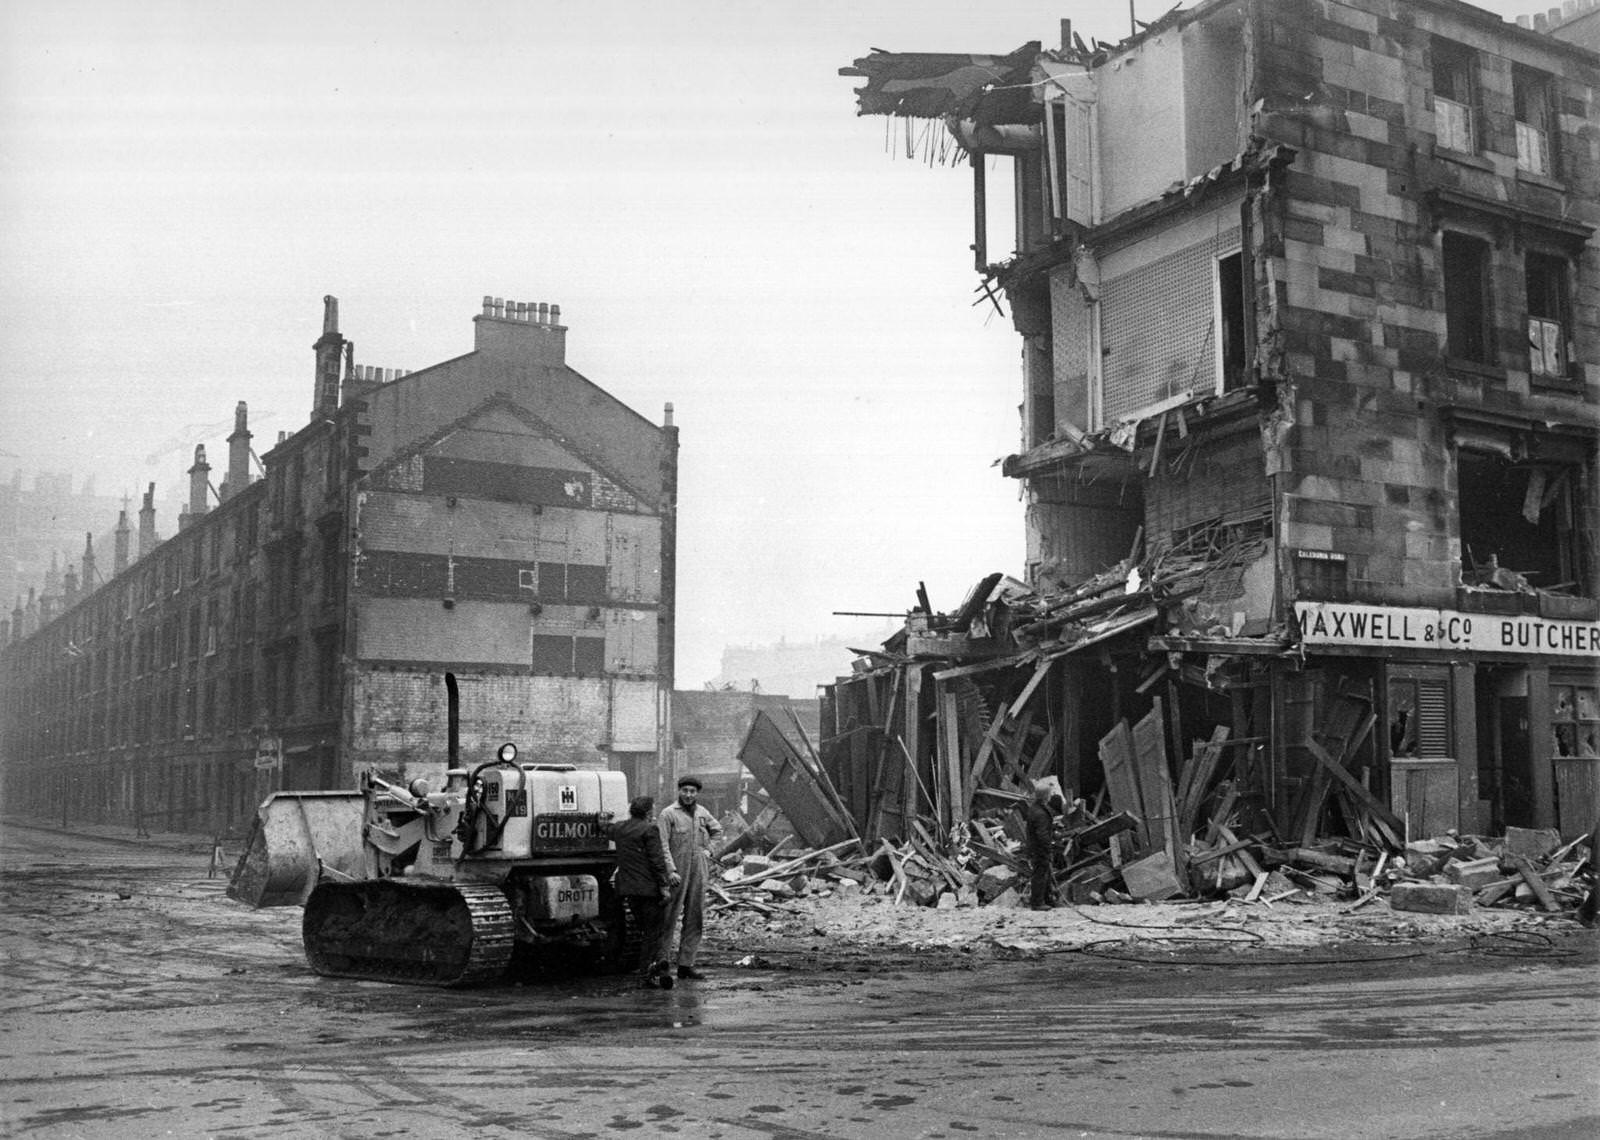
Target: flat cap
690,782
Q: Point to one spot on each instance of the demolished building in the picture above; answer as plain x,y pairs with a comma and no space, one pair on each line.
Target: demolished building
1310,407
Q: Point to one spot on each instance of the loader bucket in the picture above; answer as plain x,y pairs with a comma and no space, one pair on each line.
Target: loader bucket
296,834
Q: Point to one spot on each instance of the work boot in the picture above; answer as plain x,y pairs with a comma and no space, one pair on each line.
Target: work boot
690,973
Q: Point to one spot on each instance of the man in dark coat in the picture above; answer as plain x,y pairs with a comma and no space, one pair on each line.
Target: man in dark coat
1040,824
644,882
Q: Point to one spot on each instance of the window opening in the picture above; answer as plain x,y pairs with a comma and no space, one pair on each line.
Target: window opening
1230,317
1519,524
1466,298
1454,96
1532,104
1546,280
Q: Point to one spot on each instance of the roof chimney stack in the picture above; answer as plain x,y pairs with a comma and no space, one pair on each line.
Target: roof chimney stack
199,481
119,551
88,562
521,332
147,522
330,353
238,453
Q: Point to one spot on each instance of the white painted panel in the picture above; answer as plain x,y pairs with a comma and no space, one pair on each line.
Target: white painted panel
633,713
631,641
635,558
413,629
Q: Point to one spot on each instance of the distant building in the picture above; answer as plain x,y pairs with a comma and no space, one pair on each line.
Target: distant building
709,728
489,541
44,520
790,668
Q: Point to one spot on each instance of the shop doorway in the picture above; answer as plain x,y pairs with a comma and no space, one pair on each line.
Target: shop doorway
1505,751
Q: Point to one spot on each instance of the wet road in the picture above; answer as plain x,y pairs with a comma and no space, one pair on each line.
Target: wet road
142,1002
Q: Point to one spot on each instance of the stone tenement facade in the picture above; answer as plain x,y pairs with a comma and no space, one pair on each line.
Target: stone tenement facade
488,542
1310,288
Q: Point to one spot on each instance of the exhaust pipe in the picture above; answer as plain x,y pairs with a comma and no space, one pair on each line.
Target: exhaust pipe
453,757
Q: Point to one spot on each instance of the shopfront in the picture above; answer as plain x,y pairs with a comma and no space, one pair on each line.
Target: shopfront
1485,721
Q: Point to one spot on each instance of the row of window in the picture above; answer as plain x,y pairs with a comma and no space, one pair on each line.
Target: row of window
1459,119
1469,302
204,707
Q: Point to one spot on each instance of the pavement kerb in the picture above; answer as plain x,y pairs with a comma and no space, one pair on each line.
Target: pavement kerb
184,841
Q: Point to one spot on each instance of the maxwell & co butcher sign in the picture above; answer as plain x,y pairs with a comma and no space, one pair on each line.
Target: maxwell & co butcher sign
1384,627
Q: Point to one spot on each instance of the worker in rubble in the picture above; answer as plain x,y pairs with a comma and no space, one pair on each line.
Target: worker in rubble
644,882
1039,823
688,831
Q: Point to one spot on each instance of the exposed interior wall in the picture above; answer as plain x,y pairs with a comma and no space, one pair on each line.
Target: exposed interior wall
1215,123
1158,334
1078,526
1071,334
1141,123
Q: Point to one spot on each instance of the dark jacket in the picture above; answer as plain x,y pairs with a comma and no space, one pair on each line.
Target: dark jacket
1041,824
641,860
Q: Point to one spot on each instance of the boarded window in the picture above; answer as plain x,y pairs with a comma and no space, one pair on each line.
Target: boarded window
567,655
1420,713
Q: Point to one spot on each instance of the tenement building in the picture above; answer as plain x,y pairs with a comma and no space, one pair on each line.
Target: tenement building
1309,290
475,552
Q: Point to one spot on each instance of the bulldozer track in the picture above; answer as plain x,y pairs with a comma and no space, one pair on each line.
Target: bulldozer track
426,934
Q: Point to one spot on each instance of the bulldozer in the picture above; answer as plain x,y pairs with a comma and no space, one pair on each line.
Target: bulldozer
506,867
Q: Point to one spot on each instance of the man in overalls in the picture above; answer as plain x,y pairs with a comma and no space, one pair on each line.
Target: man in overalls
687,832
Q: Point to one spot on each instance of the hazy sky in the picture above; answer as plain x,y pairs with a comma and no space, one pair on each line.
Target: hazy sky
181,183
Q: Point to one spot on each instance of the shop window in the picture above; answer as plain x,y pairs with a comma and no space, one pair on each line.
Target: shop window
1575,721
1533,103
1519,524
1467,307
1454,95
1548,321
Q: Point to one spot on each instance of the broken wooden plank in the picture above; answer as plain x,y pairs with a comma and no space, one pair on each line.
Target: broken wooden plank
1122,779
1535,883
1355,786
1155,785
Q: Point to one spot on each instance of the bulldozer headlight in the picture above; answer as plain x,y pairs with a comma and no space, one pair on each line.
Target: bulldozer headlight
419,788
508,753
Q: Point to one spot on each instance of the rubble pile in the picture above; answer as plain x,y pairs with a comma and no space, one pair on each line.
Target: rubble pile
1237,783
1526,869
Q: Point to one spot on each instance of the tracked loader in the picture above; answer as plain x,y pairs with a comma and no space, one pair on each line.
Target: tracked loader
508,863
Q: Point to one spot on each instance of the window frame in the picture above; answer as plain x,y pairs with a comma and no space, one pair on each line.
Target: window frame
1454,81
1534,116
1464,305
1550,306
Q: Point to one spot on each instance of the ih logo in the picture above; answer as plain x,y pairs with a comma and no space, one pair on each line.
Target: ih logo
568,799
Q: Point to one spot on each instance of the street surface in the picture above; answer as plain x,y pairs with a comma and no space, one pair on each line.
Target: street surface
141,1002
